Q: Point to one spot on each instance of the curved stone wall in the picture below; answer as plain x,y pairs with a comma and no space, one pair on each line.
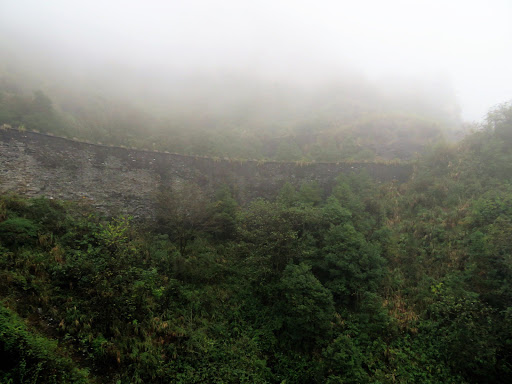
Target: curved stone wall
124,181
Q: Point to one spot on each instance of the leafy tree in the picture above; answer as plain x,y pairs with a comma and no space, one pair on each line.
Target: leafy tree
306,306
344,362
271,238
351,266
287,196
310,193
18,230
223,211
499,120
182,212
334,213
456,321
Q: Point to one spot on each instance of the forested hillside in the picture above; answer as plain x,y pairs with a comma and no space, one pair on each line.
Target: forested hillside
376,283
234,116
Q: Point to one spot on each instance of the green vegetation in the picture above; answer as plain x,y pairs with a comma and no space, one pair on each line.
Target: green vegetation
34,112
30,358
368,283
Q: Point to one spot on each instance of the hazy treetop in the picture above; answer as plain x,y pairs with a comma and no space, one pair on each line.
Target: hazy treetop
464,43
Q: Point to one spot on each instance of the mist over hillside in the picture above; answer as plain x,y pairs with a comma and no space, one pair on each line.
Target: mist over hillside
232,112
368,241
274,80
366,281
464,44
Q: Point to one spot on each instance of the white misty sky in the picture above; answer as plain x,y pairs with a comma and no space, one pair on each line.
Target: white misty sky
467,42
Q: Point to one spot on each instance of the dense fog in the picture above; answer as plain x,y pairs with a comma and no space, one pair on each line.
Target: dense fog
259,192
266,69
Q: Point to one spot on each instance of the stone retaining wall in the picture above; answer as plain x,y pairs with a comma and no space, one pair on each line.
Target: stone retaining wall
124,181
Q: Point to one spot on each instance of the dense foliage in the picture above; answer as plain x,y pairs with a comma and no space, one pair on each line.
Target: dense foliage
365,283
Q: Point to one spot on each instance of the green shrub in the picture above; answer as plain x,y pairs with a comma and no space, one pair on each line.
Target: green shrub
18,231
29,358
